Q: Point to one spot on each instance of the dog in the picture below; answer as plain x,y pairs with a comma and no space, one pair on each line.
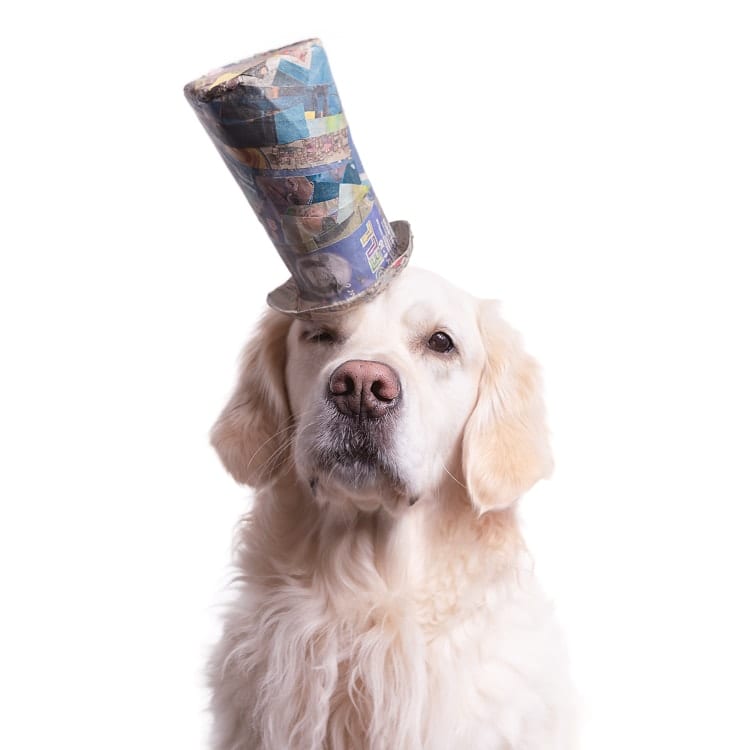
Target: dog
386,600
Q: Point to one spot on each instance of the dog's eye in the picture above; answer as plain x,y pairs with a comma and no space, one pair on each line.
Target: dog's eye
319,337
440,342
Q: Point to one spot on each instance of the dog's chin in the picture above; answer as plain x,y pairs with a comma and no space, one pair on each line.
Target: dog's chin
353,464
357,482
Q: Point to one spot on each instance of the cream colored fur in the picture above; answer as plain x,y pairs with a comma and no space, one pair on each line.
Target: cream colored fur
363,622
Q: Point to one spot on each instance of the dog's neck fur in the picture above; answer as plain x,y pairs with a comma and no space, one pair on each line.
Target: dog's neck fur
376,555
338,609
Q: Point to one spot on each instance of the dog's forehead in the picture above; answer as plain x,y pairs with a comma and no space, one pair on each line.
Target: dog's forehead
420,284
419,296
415,299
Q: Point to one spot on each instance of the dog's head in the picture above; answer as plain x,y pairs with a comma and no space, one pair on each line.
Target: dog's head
381,404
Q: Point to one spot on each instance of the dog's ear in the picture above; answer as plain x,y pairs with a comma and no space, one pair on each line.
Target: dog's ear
248,435
506,448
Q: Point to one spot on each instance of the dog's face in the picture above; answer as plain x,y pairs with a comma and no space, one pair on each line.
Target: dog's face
381,394
379,405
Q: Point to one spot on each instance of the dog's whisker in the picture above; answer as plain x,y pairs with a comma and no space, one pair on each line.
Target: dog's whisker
284,448
292,418
266,442
457,481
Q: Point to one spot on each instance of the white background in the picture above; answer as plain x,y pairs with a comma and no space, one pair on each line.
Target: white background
587,162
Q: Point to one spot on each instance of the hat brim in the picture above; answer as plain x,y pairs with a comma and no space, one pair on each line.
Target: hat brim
287,299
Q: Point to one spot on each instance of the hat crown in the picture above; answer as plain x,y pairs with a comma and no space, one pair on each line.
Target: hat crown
277,121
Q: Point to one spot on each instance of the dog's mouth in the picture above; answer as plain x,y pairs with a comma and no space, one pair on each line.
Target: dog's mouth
355,453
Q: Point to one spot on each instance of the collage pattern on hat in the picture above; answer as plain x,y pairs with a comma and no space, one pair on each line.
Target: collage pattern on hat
277,121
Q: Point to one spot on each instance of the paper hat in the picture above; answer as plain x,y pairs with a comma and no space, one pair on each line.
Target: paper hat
277,122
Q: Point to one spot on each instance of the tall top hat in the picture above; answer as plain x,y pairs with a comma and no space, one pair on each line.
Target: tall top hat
277,122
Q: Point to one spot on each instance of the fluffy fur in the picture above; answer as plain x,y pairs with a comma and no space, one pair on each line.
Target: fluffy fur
395,608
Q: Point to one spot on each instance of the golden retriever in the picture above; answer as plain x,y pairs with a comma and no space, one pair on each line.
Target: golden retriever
385,600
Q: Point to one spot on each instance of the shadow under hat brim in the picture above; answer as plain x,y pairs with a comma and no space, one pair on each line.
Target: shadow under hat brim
288,300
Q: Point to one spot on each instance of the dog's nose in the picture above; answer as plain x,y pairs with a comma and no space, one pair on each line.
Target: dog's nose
361,388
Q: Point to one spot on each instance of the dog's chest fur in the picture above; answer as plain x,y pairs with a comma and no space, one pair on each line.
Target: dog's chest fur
379,634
